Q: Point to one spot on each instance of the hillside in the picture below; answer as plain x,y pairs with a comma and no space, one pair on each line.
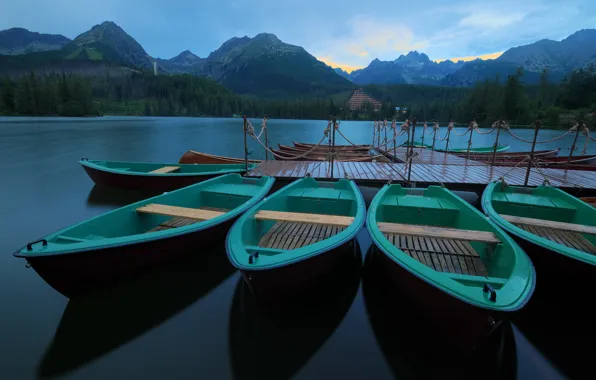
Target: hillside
21,41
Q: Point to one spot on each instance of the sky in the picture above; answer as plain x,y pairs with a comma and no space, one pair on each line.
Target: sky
347,34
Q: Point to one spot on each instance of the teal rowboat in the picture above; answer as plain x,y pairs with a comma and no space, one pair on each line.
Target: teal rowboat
451,259
122,242
295,236
556,229
154,176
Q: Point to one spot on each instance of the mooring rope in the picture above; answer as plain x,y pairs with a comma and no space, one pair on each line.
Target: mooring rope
508,129
526,158
344,136
450,127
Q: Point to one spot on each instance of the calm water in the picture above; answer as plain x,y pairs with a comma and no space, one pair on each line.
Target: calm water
195,319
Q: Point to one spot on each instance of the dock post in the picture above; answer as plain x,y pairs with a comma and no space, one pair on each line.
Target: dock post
245,146
536,128
435,130
447,143
411,148
423,133
333,144
394,124
385,127
471,128
374,132
379,135
579,127
266,139
496,142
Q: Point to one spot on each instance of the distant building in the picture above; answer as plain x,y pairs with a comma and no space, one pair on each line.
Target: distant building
359,99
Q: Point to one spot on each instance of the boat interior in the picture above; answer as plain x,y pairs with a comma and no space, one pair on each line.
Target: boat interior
155,168
547,213
433,227
301,216
190,205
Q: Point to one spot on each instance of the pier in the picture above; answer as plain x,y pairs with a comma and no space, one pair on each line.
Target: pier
418,166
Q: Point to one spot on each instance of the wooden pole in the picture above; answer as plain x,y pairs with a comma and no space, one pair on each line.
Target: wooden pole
374,132
470,140
423,133
333,144
579,127
434,136
245,145
266,141
385,127
536,128
447,144
379,136
411,148
394,140
496,142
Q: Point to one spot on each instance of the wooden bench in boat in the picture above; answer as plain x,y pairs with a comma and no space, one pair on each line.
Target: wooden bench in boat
179,221
293,235
298,217
567,234
590,230
165,169
184,212
438,232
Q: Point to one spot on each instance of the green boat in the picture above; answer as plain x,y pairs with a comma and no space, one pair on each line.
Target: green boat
295,236
451,259
122,242
557,230
486,149
154,176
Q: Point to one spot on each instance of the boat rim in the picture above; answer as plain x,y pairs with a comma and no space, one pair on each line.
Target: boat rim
91,164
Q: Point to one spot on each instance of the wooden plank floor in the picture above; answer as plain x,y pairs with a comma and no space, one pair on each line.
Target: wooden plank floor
443,255
289,235
181,222
567,238
424,174
427,156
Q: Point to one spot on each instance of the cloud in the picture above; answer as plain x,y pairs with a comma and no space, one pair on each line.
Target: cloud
366,38
344,67
472,57
492,20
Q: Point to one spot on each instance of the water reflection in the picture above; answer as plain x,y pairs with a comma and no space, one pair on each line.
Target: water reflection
411,344
275,341
105,196
563,329
93,326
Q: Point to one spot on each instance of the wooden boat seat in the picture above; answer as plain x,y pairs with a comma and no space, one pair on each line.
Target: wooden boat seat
298,217
447,255
184,212
534,200
438,232
284,236
567,234
165,169
181,222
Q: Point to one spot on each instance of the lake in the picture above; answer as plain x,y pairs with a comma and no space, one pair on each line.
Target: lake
194,318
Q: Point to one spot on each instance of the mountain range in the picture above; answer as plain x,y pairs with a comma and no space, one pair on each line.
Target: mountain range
264,65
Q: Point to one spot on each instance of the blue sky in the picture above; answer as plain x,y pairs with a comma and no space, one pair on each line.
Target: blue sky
348,33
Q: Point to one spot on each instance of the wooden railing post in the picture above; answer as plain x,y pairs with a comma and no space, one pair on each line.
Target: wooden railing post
266,139
536,128
379,135
470,138
423,133
435,136
245,145
411,149
447,144
579,127
499,125
385,128
333,127
394,123
374,133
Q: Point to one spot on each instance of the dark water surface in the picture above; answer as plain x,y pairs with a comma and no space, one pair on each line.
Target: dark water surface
195,318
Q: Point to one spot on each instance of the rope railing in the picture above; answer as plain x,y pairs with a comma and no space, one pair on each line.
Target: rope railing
344,136
470,128
571,130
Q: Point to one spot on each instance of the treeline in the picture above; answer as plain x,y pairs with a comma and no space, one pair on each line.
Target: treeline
65,95
186,95
509,99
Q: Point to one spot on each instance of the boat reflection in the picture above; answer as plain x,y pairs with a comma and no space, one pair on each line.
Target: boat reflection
105,196
96,324
411,343
275,341
562,328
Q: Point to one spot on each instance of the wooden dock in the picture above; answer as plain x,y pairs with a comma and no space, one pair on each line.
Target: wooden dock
427,156
456,177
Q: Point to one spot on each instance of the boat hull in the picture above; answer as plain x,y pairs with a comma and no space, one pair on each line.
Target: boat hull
79,273
144,182
465,326
270,285
192,157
